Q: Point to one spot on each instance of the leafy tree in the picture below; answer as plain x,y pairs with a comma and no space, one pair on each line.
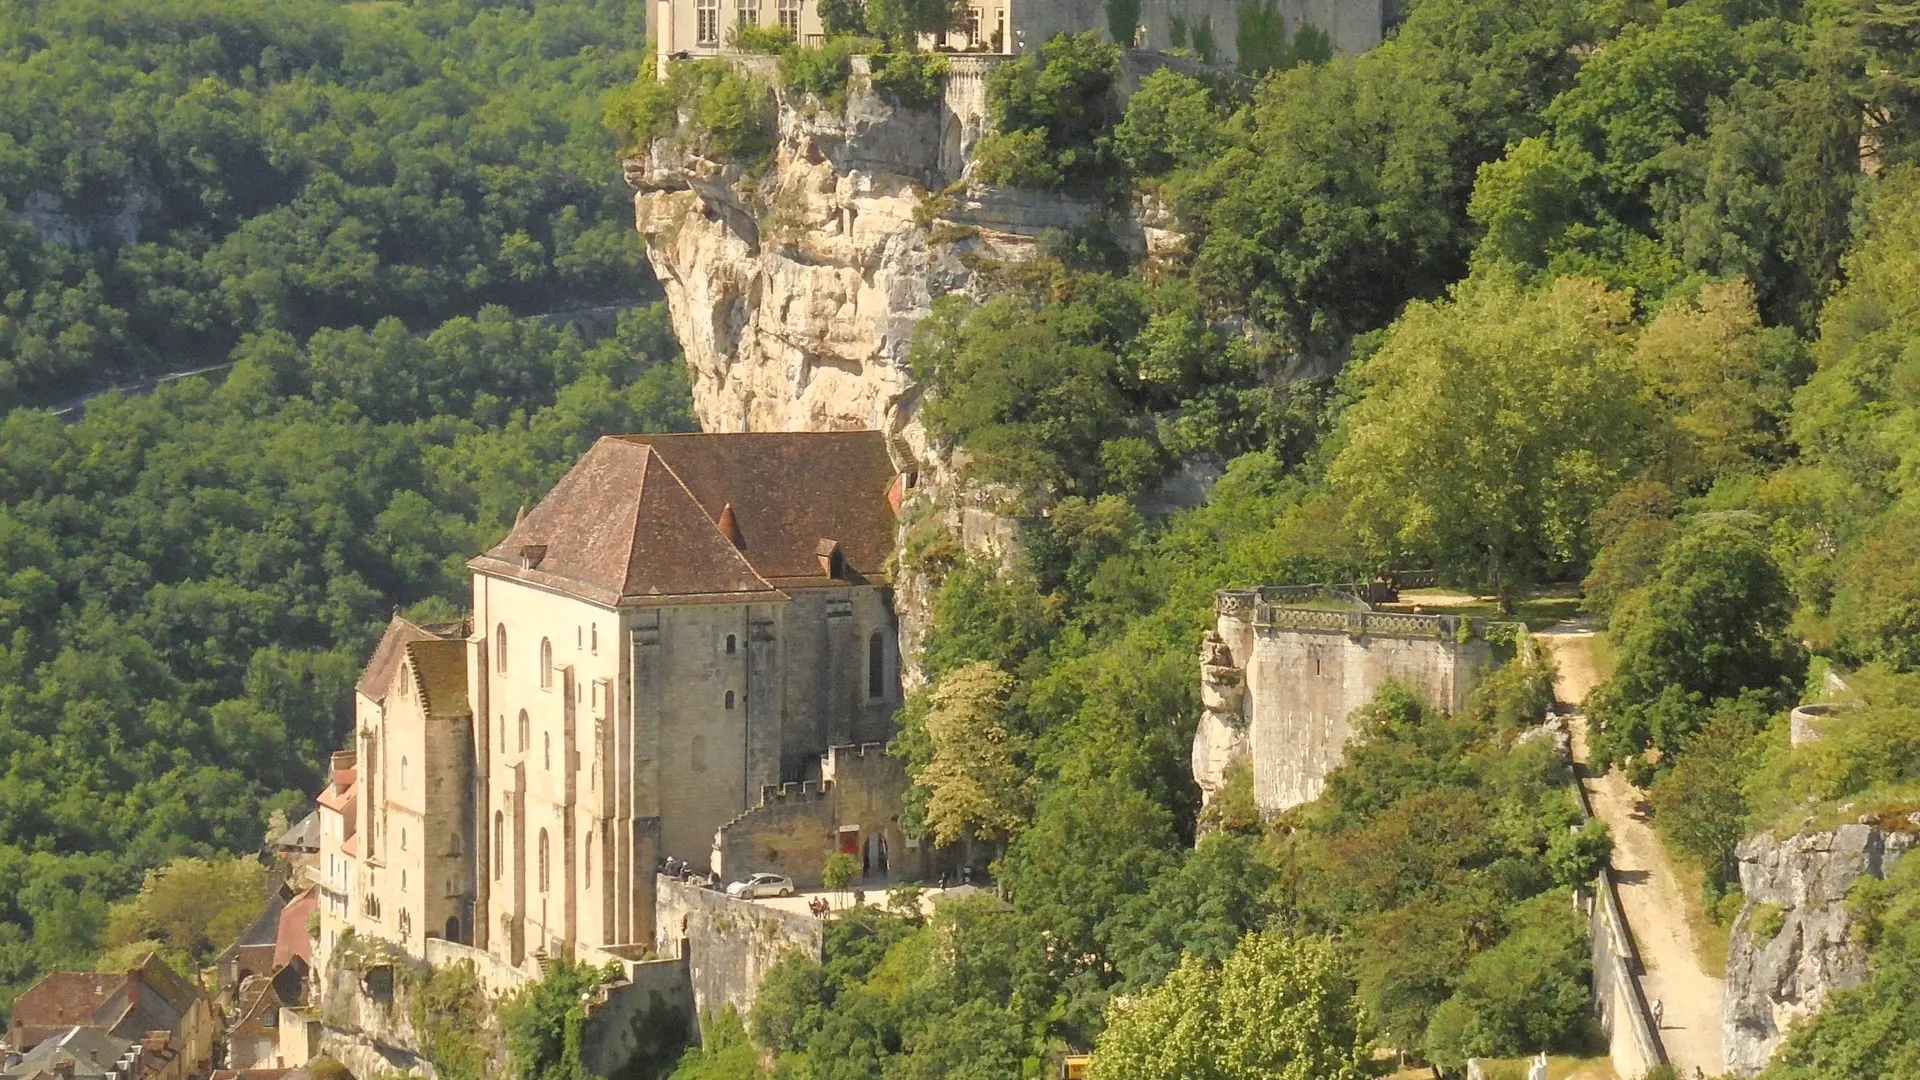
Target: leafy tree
1088,850
192,907
1171,122
1277,1006
840,872
543,1021
1532,395
903,21
843,17
1525,994
1700,806
973,777
1055,105
1203,909
1712,627
1721,379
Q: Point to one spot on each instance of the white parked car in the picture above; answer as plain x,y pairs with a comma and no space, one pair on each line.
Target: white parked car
758,885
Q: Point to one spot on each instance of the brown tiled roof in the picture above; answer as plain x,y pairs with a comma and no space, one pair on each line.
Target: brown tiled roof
440,674
621,526
59,1001
378,675
147,997
790,490
639,517
168,983
292,939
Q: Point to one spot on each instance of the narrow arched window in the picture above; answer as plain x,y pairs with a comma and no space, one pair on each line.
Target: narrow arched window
593,639
877,665
500,648
403,847
546,664
526,731
543,860
729,699
503,731
403,775
589,862
499,843
546,750
733,645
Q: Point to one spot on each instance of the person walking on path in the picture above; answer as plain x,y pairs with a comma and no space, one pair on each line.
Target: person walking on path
1659,1012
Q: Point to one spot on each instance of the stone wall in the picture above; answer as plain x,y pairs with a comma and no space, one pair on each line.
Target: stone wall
650,1015
729,945
1633,1043
1774,979
854,806
1279,683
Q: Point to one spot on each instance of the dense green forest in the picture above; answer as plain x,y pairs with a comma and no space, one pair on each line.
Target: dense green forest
1627,297
176,174
190,581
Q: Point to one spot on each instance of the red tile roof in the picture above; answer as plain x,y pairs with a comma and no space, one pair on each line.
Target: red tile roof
58,1002
292,939
640,517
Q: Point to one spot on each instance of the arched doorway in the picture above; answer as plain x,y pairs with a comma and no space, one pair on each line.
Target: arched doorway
453,928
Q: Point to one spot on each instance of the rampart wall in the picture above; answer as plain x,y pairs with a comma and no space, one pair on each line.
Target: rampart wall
1632,1043
729,945
854,806
1280,681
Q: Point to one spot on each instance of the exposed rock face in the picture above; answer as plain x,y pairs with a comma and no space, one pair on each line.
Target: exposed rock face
795,294
1222,734
1775,980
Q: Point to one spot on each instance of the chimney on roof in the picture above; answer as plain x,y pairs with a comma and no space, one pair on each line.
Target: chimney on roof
832,563
730,528
520,515
531,554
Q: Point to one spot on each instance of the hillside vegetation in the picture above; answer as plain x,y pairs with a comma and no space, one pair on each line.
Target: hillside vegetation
1626,298
190,581
177,174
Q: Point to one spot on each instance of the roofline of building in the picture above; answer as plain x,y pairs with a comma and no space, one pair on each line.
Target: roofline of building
574,589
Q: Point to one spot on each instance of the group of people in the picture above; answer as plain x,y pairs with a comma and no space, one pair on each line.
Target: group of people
681,870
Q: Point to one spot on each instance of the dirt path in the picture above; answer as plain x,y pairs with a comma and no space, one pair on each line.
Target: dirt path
1649,894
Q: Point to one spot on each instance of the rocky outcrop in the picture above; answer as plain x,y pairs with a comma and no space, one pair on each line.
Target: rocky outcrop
1222,734
1793,940
795,293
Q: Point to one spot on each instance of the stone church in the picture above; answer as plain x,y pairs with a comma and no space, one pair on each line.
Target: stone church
689,634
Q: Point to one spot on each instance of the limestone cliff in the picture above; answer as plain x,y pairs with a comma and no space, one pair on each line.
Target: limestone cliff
795,293
1793,940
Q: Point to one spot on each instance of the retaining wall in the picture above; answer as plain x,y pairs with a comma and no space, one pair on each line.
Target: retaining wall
729,945
1632,1042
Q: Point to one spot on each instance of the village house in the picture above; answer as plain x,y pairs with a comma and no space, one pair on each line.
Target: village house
686,651
149,1004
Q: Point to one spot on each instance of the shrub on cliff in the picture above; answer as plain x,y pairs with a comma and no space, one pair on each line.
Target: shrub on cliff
1054,108
715,108
912,80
